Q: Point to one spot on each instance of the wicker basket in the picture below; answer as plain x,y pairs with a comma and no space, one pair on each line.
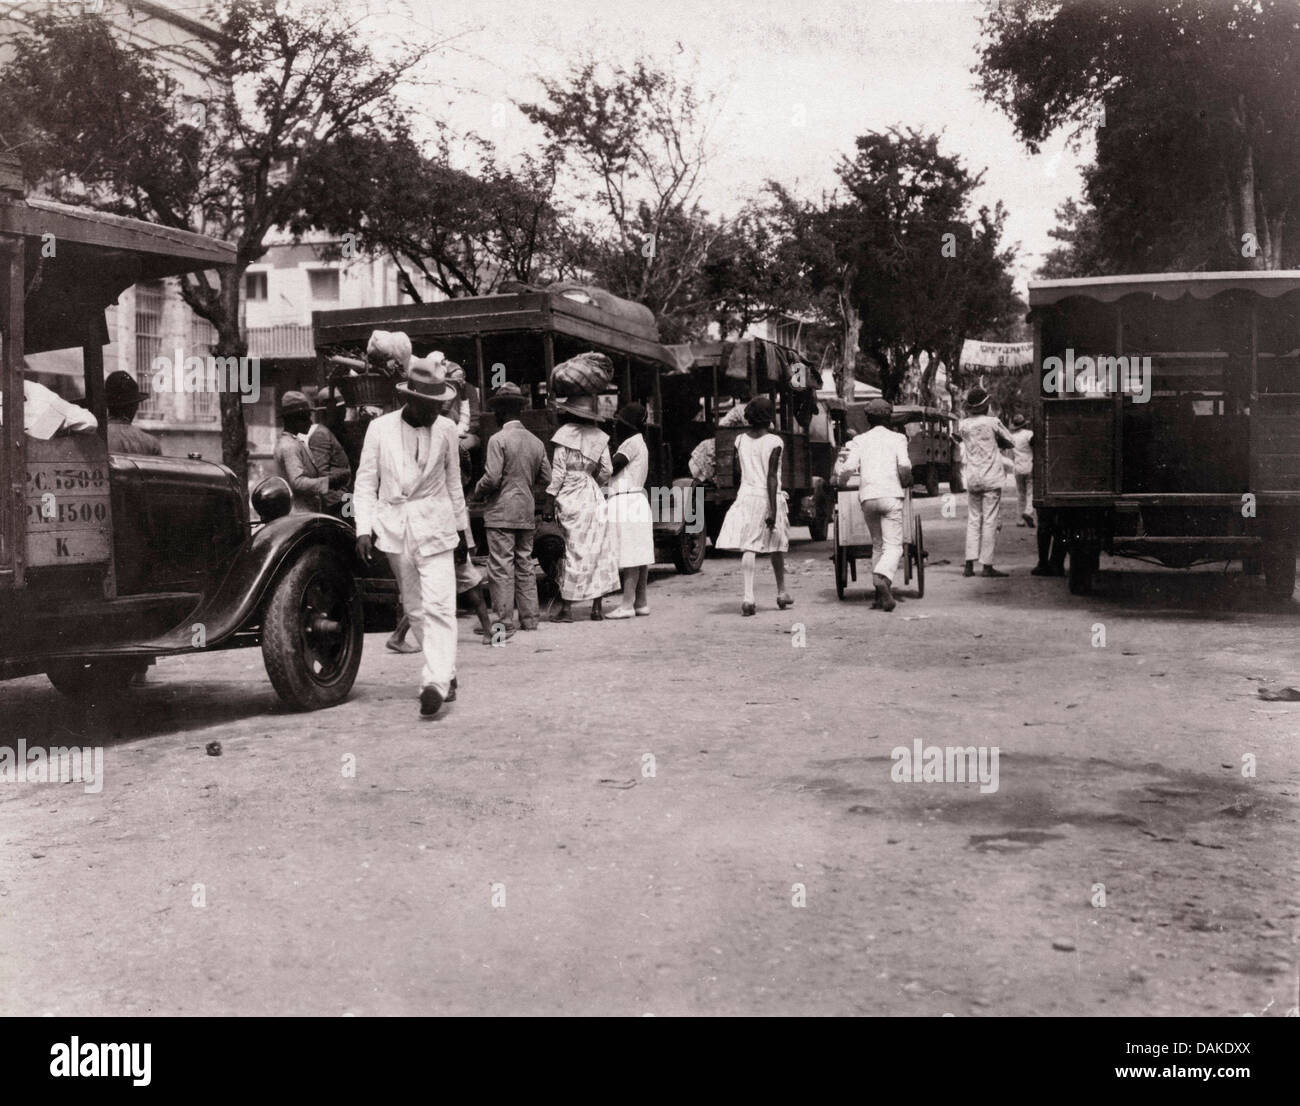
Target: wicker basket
368,390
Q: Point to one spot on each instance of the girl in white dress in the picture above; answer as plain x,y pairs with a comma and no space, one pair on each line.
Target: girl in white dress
631,525
759,521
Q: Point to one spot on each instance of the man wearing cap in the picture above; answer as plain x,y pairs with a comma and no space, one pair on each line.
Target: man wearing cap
983,438
122,396
516,467
293,461
879,457
1022,460
409,503
327,453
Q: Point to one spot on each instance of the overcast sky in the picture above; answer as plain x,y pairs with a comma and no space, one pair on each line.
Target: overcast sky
799,80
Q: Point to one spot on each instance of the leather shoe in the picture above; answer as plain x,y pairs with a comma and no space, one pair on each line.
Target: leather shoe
430,702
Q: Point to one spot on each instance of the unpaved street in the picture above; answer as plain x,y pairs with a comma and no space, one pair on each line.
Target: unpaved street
517,856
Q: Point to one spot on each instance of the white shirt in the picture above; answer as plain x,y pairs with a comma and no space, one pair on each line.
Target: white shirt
876,456
1022,454
45,413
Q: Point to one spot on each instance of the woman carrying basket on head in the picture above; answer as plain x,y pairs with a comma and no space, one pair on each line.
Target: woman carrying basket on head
759,521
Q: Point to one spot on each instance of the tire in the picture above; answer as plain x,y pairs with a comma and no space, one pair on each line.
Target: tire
713,524
918,551
312,631
955,482
1084,561
688,551
931,481
548,550
95,682
1279,569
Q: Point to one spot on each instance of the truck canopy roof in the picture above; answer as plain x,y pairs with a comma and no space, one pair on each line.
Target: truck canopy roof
1165,286
510,323
79,261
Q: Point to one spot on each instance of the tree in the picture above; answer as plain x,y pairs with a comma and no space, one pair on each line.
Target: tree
465,233
1080,252
1196,110
103,120
637,138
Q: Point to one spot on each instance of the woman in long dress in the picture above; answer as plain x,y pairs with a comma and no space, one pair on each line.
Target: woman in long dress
630,521
579,465
759,520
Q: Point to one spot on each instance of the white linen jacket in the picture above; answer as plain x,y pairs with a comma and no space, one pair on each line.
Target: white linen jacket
394,500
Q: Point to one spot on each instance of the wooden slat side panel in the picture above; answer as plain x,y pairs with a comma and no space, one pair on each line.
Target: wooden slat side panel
1275,444
1079,447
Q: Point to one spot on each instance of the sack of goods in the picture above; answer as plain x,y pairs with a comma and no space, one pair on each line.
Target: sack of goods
389,350
588,374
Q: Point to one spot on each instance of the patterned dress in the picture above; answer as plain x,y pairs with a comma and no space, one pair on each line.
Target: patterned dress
745,527
590,569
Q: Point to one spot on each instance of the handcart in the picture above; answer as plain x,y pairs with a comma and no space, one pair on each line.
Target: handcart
851,539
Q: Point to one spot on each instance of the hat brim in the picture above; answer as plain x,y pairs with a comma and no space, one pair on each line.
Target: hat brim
447,394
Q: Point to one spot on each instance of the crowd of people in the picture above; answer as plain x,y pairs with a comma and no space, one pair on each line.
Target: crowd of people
410,495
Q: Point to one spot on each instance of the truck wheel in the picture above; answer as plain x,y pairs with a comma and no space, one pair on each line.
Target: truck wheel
713,524
548,550
312,628
688,551
1279,569
95,681
1084,561
931,481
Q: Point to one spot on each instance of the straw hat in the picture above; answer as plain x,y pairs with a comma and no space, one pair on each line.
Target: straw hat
426,383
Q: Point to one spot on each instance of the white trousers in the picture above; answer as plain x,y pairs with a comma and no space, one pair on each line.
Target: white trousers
982,524
1025,492
428,586
885,524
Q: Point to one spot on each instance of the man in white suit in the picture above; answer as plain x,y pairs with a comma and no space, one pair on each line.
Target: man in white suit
408,494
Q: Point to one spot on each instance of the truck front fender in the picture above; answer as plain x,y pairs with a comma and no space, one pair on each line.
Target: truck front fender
237,601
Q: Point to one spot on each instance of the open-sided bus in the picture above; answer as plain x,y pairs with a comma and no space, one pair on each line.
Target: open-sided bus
1167,425
520,337
722,374
108,561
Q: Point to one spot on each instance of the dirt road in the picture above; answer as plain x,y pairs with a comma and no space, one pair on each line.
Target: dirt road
693,813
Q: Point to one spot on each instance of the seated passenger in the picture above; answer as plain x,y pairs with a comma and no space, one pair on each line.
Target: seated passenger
46,413
123,397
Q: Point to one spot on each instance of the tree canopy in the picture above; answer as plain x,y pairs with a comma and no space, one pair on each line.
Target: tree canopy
1196,111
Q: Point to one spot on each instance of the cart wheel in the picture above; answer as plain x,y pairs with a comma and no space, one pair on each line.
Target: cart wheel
908,548
841,559
918,551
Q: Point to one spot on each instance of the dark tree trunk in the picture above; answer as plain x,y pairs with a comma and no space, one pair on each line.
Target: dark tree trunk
231,343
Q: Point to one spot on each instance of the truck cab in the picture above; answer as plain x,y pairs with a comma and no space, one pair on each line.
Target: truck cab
109,561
